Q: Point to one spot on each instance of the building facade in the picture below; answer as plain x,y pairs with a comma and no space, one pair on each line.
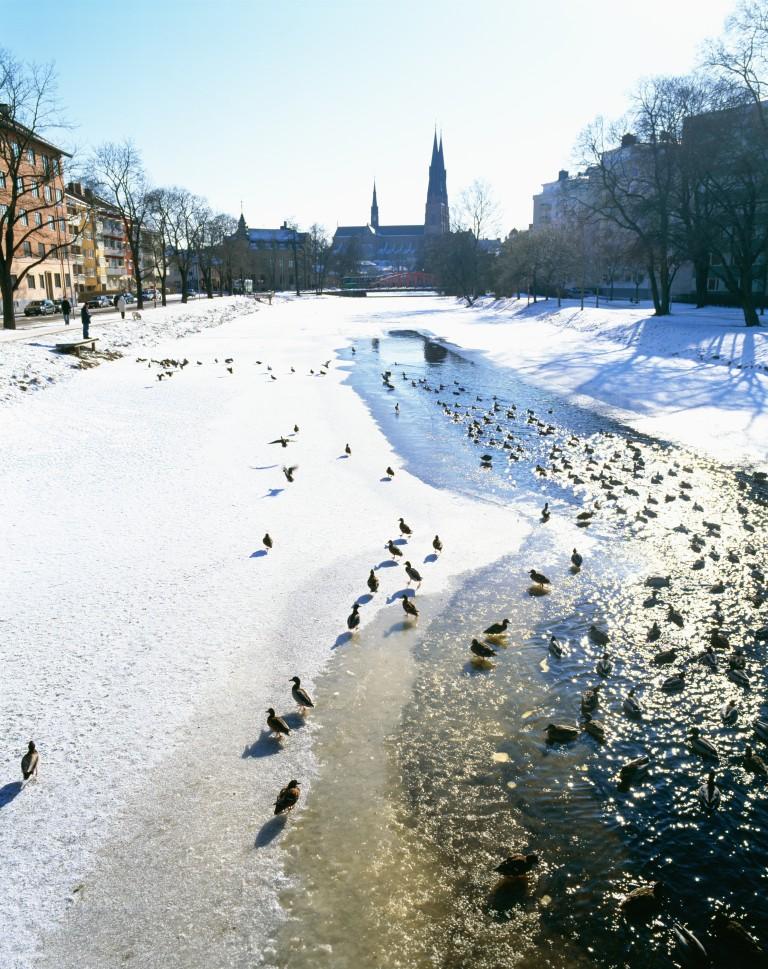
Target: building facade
393,248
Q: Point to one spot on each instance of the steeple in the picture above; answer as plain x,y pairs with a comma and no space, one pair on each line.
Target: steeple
241,226
374,208
436,218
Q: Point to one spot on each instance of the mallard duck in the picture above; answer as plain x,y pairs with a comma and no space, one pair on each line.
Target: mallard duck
754,762
555,647
718,639
633,768
30,761
390,471
288,797
373,582
393,550
674,616
653,633
652,600
709,792
413,574
561,732
538,578
481,650
576,559
657,582
405,529
276,724
604,665
694,952
590,699
594,728
761,729
497,629
267,541
664,656
409,607
709,658
737,660
701,745
631,706
437,545
517,866
740,677
674,682
300,695
545,512
347,449
729,712
353,619
598,637
642,902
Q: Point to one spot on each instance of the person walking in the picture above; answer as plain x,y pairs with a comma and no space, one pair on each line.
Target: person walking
121,304
85,318
66,309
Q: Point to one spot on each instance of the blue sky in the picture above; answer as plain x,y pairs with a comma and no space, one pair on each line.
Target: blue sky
294,105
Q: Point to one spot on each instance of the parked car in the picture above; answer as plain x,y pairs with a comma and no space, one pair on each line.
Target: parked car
98,302
40,307
192,294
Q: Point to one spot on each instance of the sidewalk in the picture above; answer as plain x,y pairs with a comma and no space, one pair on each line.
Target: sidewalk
33,331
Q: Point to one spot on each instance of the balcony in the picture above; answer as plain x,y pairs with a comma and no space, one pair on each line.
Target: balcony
116,271
112,250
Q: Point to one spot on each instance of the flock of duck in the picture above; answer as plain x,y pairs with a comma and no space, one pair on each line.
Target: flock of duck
616,486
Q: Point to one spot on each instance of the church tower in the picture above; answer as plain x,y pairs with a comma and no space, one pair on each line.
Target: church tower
436,218
374,209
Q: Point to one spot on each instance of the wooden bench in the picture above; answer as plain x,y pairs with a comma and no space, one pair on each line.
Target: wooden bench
77,345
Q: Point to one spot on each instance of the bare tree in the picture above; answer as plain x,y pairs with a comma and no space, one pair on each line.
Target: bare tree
186,214
213,231
160,202
319,246
116,172
30,176
741,54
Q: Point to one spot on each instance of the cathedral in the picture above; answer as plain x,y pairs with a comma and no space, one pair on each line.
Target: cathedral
397,247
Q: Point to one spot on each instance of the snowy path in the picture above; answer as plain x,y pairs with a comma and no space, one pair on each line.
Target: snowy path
142,642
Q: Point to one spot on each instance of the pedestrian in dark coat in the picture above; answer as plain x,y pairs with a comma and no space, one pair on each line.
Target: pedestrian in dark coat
66,309
85,317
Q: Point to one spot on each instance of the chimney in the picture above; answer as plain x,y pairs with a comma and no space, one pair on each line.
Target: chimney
5,110
562,175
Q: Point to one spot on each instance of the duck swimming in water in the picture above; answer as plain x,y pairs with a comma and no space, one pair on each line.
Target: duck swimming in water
701,745
633,769
761,729
729,712
594,728
604,665
517,866
631,706
598,637
288,797
674,682
555,648
642,903
300,695
277,725
754,762
563,732
709,792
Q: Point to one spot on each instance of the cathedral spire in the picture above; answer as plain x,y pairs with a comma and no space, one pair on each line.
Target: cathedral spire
374,208
436,219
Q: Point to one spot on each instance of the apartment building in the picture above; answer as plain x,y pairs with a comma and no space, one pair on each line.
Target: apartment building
32,198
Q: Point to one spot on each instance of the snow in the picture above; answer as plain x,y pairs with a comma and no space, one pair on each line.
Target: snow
144,636
144,633
698,377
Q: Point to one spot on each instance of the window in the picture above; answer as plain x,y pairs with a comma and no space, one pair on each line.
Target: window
59,195
16,148
27,248
23,217
19,183
47,193
31,156
38,219
57,280
36,190
41,248
2,179
42,281
3,209
31,281
66,280
46,164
